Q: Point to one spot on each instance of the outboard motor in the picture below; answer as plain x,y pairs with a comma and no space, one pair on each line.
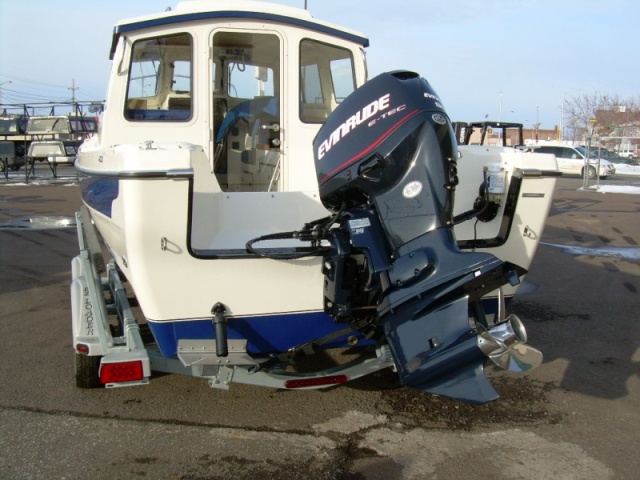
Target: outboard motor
386,166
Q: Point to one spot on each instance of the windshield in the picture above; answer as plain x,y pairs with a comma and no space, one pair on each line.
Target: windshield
83,124
43,125
608,154
593,153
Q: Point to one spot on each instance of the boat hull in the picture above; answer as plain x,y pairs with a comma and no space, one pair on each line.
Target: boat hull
179,242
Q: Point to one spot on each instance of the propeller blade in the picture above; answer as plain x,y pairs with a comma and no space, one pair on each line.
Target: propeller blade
518,358
505,345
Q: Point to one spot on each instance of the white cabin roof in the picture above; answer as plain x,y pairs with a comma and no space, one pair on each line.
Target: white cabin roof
192,10
241,5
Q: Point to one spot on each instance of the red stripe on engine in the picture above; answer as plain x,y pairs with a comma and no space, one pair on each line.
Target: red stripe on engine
370,147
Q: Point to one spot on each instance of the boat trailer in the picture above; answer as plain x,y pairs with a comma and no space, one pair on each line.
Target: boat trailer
110,349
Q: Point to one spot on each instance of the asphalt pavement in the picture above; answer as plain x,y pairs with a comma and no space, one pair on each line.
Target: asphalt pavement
575,417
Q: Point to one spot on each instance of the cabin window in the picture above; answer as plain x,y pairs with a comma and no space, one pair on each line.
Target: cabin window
160,81
245,72
326,78
83,124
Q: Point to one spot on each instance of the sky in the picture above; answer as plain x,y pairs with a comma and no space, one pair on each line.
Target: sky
510,60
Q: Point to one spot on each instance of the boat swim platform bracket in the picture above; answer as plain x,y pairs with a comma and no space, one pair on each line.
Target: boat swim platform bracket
221,376
205,352
197,358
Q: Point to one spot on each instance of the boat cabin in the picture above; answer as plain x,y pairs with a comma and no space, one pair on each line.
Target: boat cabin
250,82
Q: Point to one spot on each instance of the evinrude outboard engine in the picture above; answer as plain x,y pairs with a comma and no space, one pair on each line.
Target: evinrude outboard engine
386,165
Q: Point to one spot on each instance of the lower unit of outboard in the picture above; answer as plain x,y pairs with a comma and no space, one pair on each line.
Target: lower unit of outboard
386,165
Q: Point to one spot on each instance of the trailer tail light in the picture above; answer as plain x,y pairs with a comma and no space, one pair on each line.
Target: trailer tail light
121,372
315,382
82,348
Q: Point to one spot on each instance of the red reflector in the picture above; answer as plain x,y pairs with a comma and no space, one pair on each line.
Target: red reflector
121,372
81,348
315,382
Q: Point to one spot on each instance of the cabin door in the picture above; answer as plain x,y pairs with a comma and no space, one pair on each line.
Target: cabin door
247,125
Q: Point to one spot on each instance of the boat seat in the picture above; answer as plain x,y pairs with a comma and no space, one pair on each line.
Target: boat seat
179,103
315,112
249,110
245,157
136,104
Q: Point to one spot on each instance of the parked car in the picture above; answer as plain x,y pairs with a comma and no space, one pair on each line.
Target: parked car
572,160
628,152
614,157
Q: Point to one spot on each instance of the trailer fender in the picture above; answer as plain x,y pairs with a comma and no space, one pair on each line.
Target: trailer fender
84,314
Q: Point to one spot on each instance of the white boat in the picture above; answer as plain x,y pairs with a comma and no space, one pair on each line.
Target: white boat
244,250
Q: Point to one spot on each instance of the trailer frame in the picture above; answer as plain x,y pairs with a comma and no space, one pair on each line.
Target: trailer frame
114,354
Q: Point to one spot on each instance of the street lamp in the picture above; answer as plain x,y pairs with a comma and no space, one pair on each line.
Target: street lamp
1,84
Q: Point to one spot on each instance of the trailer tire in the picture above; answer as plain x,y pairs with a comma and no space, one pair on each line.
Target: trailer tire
87,371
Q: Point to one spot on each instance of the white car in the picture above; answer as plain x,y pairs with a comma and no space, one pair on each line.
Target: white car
572,160
627,152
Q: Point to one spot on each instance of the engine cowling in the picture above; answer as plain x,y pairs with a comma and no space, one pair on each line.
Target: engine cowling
390,143
386,164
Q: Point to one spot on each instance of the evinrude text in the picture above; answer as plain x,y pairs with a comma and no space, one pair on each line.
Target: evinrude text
352,122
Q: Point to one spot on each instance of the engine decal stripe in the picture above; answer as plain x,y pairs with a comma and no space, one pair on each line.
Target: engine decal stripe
371,147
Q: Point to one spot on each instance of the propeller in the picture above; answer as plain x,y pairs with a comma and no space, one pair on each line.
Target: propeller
505,345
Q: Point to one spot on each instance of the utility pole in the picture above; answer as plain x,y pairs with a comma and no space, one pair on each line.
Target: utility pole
73,89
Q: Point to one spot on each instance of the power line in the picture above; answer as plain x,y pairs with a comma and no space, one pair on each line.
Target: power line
35,82
22,97
25,96
39,86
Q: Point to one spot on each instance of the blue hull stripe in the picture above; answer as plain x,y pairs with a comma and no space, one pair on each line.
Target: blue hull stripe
271,334
99,193
265,334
